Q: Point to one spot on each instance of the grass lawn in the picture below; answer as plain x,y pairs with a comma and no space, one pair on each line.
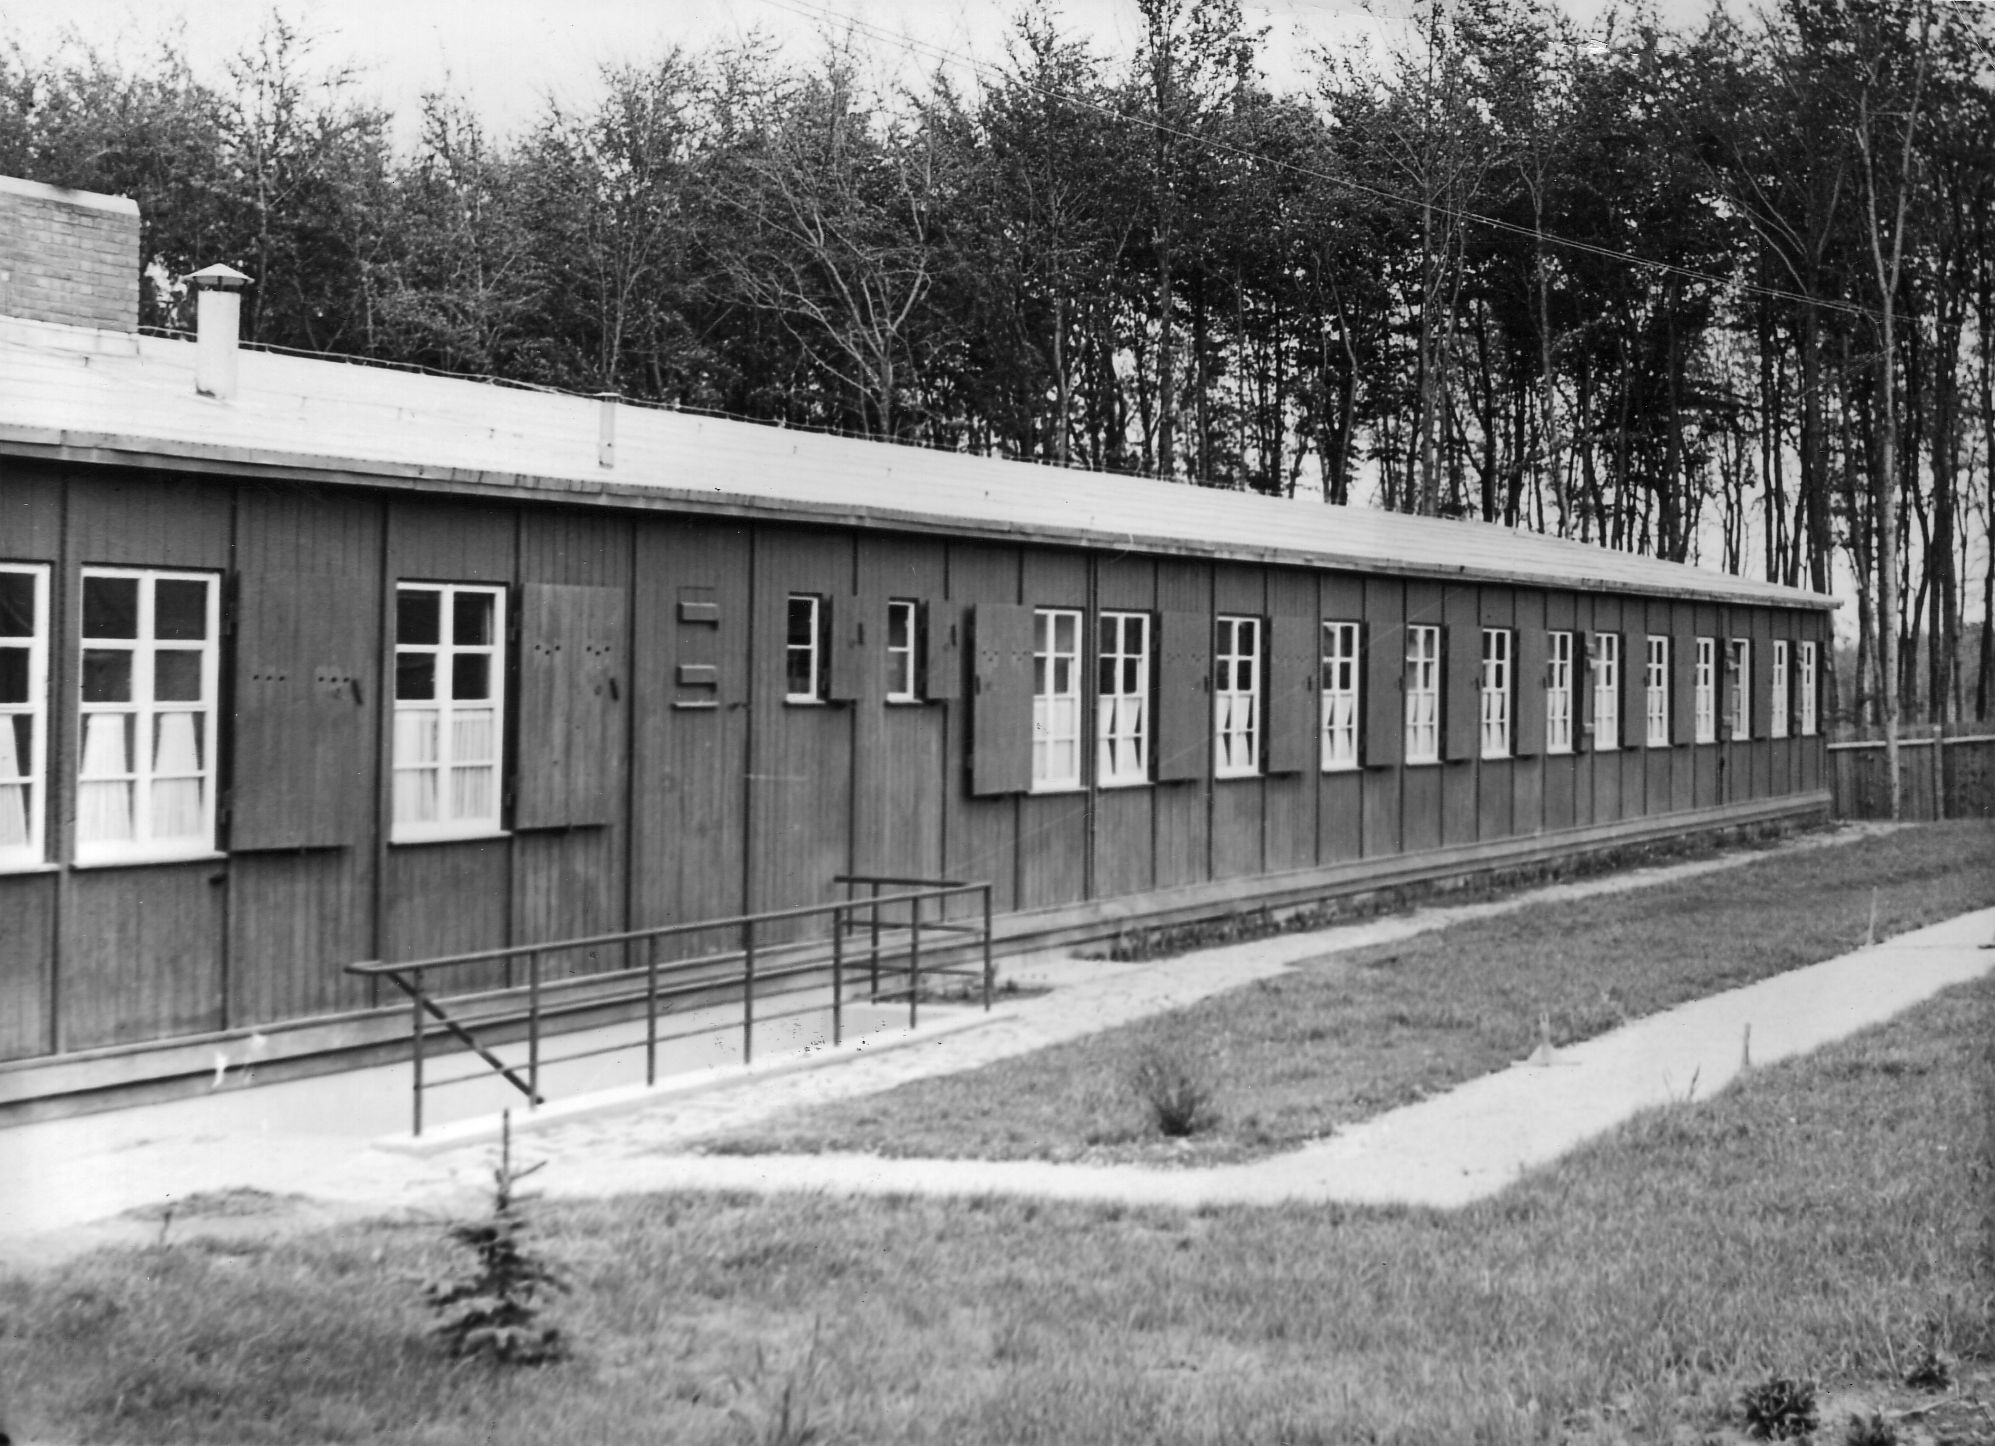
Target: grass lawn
1337,1040
1823,1219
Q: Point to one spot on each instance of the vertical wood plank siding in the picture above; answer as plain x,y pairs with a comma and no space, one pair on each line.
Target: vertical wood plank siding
659,775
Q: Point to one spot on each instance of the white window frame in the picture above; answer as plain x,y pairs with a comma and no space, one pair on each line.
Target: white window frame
1122,712
449,822
1056,701
1655,682
1781,701
1739,697
1707,690
1605,665
1806,682
1495,693
1342,670
903,658
1422,682
30,774
1236,710
812,650
145,712
1558,692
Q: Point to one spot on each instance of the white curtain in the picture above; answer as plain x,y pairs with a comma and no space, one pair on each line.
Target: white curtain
176,800
415,765
104,805
13,796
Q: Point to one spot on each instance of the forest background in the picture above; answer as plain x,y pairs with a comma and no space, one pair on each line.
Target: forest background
1722,292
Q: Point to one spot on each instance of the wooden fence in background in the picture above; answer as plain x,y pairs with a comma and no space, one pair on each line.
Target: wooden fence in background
1950,776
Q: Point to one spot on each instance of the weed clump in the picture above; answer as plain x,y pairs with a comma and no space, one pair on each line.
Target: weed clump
1871,1430
1176,1093
1779,1409
493,1309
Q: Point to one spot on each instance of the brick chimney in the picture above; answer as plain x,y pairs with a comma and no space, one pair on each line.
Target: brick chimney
68,256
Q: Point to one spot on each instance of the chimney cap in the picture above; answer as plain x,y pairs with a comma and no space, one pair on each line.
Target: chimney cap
218,276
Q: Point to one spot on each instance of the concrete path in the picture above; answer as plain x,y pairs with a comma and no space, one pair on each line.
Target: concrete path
90,1175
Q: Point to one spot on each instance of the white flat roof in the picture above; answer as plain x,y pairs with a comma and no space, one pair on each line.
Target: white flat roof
99,396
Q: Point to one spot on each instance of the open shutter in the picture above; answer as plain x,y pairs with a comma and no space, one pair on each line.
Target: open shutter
573,641
1582,691
942,661
1683,678
1762,685
1001,726
1184,696
1634,689
1384,694
1461,690
1295,703
1528,692
301,775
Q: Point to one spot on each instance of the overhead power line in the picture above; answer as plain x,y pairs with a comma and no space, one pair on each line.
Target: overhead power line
808,10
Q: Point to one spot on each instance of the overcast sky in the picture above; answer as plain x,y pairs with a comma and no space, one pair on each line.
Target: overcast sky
509,55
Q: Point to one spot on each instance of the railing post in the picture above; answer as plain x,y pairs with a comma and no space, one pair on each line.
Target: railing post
416,1025
838,975
651,1012
748,991
874,981
914,959
989,970
533,1030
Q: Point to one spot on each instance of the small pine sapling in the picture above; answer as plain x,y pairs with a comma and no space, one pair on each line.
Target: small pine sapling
493,1310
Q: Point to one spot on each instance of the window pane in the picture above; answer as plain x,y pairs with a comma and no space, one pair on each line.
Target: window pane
1065,626
471,619
107,675
1132,675
471,676
176,676
14,815
898,617
474,736
177,743
415,795
798,681
110,607
103,810
803,626
415,737
179,610
16,738
176,808
418,614
13,675
107,745
415,676
17,605
1106,674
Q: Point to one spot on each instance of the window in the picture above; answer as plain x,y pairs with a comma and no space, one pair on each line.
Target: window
1558,693
1122,716
803,649
23,712
1340,695
146,771
1495,692
1237,694
1707,690
449,700
1056,699
1739,706
1807,685
903,651
1423,695
1776,718
1656,696
1606,691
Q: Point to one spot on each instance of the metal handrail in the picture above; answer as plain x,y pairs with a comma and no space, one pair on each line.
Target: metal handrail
759,962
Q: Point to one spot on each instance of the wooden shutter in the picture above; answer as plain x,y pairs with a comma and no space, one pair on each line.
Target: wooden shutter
942,661
1762,683
1384,686
1461,690
1184,696
573,642
301,772
1527,734
1001,723
1295,702
855,655
1634,689
1582,690
1683,678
